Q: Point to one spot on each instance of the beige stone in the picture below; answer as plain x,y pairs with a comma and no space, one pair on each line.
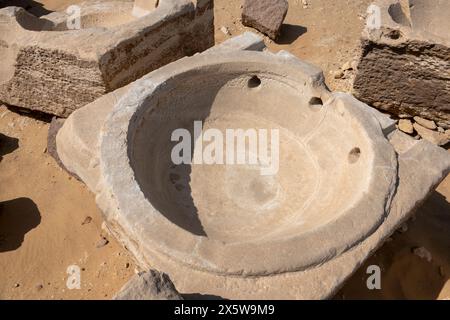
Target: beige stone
429,124
434,137
404,67
49,66
347,178
151,285
406,126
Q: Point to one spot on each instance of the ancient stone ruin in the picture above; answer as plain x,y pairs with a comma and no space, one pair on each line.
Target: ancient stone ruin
52,65
405,64
347,177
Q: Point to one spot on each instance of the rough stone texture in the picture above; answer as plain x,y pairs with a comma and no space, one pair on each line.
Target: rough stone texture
266,16
152,285
384,186
437,138
405,65
49,68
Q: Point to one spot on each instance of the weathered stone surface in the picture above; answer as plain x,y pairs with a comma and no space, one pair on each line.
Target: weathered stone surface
429,124
211,254
406,126
78,142
266,16
152,285
405,65
48,67
434,137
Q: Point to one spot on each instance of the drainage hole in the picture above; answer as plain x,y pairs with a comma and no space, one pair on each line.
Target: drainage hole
315,104
315,101
354,155
254,82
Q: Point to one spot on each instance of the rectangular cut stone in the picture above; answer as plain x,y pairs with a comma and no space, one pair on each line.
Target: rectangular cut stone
405,64
57,64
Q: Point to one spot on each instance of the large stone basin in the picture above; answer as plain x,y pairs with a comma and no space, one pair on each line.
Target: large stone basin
346,180
228,218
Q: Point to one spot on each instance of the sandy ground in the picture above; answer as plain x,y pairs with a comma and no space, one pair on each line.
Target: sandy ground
49,221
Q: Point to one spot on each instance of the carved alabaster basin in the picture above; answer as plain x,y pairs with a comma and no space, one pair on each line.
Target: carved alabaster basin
336,172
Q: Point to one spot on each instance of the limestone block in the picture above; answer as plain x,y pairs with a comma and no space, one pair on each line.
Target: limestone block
405,64
56,65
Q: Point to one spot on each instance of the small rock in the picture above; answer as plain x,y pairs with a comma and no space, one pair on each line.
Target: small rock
267,16
225,31
405,116
39,287
406,126
152,285
16,285
426,123
87,220
441,130
434,137
403,228
103,242
423,253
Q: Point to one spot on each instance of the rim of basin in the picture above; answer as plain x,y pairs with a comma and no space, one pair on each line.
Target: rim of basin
153,232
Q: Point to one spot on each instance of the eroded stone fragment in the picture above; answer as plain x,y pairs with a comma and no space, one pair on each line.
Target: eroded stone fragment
152,285
266,16
434,137
404,67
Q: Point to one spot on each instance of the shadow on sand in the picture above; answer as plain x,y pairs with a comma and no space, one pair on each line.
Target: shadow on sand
17,218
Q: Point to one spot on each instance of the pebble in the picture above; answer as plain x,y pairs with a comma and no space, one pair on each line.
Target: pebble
429,124
103,242
403,228
423,253
87,220
225,31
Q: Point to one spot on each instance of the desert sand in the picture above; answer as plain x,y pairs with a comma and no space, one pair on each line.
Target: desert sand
49,220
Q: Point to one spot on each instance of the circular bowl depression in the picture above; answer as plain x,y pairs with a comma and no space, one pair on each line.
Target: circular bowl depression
326,193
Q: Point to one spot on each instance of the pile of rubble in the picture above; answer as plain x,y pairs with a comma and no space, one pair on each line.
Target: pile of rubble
426,129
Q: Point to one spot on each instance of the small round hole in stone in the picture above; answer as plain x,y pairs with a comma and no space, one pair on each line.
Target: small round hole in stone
354,155
254,82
